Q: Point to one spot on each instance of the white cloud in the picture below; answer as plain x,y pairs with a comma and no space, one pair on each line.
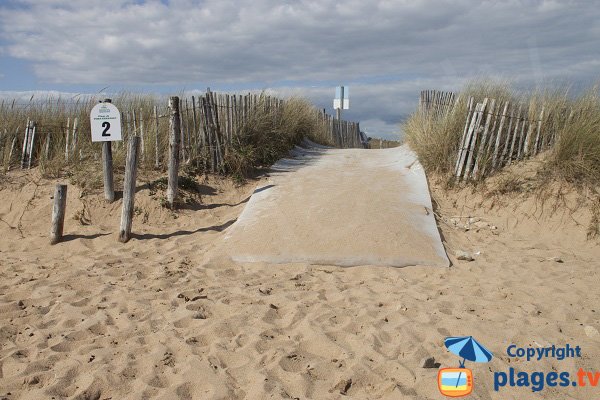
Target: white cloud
401,46
127,42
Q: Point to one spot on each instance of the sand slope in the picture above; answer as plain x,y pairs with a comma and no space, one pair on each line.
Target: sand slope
340,207
169,315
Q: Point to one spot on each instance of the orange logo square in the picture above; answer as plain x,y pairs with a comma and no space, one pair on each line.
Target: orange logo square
455,382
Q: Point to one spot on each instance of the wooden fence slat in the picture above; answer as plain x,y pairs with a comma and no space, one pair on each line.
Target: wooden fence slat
67,140
536,148
463,151
31,145
483,140
25,144
522,137
514,136
463,143
476,131
499,135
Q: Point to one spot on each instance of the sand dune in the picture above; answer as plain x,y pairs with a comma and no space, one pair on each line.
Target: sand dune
169,316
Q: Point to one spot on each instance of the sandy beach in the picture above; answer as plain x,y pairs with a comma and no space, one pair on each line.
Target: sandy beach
166,316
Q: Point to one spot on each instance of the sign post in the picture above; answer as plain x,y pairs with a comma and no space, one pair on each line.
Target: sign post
105,121
341,101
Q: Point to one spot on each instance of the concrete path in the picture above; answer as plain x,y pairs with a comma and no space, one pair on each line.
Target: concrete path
340,207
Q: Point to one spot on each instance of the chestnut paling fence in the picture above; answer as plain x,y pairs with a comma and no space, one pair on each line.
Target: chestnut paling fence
495,133
211,124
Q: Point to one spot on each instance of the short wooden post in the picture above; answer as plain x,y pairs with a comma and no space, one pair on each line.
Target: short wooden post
129,188
174,144
58,213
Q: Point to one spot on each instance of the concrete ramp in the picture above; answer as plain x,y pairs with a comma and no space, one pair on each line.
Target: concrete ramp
343,207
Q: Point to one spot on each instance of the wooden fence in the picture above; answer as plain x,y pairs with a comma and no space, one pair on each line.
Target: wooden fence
495,133
210,125
434,101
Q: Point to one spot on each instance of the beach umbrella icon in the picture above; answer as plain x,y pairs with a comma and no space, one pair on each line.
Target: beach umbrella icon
468,348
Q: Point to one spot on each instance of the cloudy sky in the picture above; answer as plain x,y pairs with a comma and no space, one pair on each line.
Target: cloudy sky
385,51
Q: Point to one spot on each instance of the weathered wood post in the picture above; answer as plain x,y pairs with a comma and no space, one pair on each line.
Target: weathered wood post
107,168
58,213
129,188
141,119
25,144
74,138
31,144
67,140
174,144
156,159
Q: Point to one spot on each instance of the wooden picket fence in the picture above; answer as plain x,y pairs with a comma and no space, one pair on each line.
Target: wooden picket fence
211,124
434,101
495,134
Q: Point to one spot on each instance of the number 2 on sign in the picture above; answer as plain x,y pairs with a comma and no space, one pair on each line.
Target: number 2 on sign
106,126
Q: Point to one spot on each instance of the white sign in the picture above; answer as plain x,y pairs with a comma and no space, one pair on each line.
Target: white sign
105,120
342,98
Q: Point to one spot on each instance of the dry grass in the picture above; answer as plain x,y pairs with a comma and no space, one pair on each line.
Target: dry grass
268,135
573,120
263,138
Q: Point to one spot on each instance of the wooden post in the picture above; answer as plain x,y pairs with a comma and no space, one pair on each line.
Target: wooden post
74,145
174,144
67,140
187,143
58,213
31,144
129,189
141,119
181,132
107,169
156,158
195,127
25,145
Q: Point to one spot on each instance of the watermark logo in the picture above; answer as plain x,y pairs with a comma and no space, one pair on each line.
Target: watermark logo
458,382
539,380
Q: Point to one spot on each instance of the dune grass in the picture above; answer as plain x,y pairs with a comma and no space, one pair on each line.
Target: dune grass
268,134
263,137
574,120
